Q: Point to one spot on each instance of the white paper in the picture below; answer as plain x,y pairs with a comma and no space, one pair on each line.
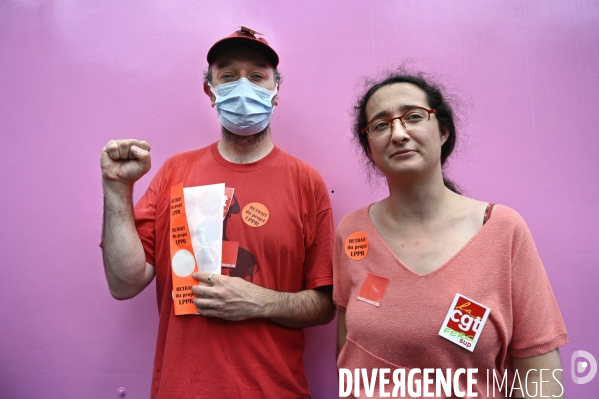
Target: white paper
204,210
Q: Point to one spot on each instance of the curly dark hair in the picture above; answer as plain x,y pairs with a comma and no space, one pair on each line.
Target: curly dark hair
436,100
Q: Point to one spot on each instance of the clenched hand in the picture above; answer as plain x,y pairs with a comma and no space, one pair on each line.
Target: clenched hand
125,161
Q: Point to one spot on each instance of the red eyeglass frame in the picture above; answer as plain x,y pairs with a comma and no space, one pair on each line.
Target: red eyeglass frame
390,120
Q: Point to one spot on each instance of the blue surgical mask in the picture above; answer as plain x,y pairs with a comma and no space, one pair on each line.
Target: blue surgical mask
243,108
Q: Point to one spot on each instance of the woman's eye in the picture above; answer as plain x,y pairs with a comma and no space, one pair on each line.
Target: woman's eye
413,117
381,125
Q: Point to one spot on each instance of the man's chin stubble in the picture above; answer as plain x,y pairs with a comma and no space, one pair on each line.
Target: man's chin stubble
244,144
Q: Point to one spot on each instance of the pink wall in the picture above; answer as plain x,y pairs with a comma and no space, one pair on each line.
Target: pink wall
75,74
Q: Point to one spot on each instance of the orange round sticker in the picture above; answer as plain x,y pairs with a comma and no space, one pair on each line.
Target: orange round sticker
356,245
255,214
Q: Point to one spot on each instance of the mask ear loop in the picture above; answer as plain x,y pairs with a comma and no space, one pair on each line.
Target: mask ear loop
213,91
274,94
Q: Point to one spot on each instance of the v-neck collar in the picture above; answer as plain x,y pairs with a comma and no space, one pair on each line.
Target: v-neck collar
378,237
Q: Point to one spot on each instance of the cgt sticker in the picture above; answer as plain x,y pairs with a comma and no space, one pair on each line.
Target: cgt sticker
464,322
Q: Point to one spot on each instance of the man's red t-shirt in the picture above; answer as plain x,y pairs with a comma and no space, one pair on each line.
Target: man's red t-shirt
202,357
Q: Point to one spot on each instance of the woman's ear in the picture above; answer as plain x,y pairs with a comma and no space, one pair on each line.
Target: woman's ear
368,152
444,135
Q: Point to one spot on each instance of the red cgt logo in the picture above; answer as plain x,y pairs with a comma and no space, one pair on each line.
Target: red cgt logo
466,317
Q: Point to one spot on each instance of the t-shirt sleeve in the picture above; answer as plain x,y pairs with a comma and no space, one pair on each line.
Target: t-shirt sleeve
318,264
144,213
538,326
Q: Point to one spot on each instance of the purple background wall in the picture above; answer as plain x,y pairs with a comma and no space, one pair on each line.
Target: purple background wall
75,74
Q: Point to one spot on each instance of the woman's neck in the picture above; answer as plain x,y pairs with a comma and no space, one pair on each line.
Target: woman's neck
418,199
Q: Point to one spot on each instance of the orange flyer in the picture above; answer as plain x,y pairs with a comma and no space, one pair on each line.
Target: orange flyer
183,260
196,223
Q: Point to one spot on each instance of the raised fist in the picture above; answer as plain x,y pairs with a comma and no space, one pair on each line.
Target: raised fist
125,160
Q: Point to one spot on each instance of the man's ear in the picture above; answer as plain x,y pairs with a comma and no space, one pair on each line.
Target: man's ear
209,94
275,99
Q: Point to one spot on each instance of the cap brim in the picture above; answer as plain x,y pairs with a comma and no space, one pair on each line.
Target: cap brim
231,42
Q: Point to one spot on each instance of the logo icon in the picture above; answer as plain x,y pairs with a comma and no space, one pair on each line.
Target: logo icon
579,366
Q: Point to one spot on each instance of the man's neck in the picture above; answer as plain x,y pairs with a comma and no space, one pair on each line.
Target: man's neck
245,149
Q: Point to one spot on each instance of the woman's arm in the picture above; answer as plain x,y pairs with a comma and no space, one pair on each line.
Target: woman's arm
341,331
540,375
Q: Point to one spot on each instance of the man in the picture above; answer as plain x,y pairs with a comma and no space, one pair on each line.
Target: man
247,341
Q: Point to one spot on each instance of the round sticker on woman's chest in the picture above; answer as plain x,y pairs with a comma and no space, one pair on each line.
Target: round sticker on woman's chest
356,246
255,214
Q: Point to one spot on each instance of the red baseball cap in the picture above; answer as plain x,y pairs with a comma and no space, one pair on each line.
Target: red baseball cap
243,37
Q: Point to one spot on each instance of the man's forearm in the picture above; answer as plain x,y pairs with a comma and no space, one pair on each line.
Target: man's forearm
233,298
341,331
123,254
300,309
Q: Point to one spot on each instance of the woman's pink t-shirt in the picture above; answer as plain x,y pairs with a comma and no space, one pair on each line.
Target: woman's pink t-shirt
499,268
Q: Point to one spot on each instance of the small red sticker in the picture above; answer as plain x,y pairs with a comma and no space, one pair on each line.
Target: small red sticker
373,289
228,200
230,250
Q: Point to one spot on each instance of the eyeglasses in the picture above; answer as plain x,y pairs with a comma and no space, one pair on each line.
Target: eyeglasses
410,119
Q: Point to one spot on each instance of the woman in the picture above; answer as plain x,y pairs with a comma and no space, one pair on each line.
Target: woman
419,281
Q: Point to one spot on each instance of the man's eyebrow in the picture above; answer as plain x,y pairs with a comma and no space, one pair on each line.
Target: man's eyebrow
226,64
386,113
223,64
